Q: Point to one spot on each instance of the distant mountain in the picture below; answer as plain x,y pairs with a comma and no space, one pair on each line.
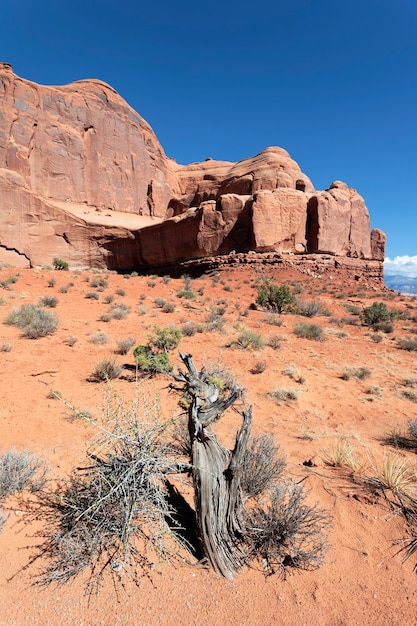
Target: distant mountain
402,284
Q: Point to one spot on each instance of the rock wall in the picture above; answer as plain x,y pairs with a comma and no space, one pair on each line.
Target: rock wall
83,177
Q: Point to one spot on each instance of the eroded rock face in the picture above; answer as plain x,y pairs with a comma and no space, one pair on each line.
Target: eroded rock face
83,177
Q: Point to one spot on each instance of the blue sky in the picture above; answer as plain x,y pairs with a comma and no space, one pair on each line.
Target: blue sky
334,83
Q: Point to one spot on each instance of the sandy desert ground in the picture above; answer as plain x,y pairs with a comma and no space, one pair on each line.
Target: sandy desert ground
362,580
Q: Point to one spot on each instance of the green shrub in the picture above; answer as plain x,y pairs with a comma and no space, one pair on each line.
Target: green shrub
376,313
165,339
309,331
275,298
151,362
59,264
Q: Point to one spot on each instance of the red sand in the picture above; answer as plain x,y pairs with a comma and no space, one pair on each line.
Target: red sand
362,580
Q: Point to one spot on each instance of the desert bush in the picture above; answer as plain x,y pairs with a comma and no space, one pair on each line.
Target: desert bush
48,301
309,308
149,361
277,298
92,295
106,370
342,454
165,339
108,299
119,311
248,338
376,313
292,371
34,321
189,328
71,340
124,345
352,309
121,292
384,327
309,331
274,320
407,343
274,342
259,367
410,395
169,307
51,282
284,394
59,264
286,532
99,338
18,471
264,465
5,346
159,302
94,520
360,373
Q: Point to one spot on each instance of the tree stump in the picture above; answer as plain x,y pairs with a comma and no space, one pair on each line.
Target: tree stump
216,472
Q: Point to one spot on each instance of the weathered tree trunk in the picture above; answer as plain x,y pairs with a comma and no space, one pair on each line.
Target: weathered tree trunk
216,473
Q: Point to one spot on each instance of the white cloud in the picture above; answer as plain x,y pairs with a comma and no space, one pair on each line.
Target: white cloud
403,265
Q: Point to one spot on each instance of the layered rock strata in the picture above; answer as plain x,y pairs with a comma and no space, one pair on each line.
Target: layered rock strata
84,178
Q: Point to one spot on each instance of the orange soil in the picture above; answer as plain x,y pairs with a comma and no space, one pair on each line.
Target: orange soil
362,580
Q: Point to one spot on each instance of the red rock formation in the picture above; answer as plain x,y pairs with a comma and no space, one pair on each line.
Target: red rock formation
83,177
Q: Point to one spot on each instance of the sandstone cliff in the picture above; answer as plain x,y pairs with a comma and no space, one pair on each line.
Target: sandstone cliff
83,177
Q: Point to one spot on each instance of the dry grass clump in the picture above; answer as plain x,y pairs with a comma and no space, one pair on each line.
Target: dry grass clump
249,339
407,343
293,373
284,394
309,331
18,471
104,518
342,454
124,345
359,373
106,370
34,321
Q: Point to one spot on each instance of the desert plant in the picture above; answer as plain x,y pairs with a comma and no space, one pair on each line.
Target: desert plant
309,308
292,371
5,346
407,343
376,313
286,532
165,339
18,471
259,367
274,342
124,345
99,338
48,301
309,331
92,295
273,297
93,519
284,394
263,466
59,264
152,362
106,370
248,338
120,292
169,307
34,321
360,373
119,311
342,454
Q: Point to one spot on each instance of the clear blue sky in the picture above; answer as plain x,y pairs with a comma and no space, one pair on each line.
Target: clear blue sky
334,83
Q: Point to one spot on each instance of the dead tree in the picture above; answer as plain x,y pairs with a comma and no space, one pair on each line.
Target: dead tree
216,472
